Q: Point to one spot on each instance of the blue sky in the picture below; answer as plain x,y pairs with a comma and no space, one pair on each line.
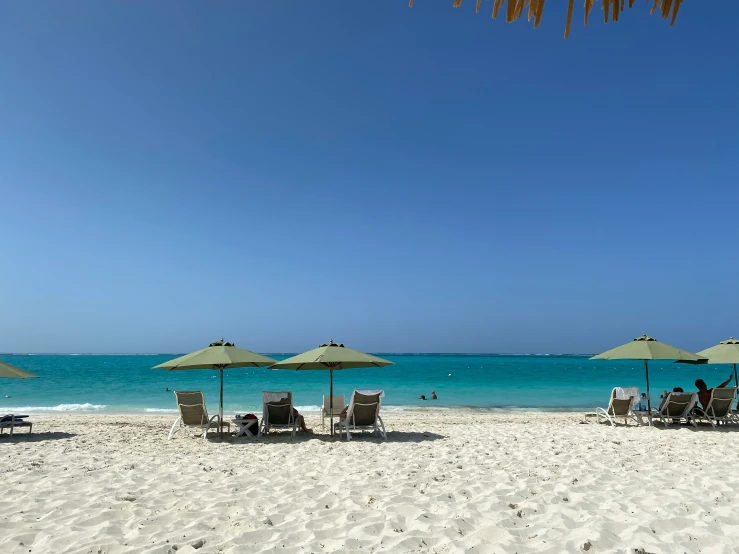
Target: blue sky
401,180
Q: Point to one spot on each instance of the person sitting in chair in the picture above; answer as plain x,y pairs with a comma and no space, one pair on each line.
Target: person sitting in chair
704,393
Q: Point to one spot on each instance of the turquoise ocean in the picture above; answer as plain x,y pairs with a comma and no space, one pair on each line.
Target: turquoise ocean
127,383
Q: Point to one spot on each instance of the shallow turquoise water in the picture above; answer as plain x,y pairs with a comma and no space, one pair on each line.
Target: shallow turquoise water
128,383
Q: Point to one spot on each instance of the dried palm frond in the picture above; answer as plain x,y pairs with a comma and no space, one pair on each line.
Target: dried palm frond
611,8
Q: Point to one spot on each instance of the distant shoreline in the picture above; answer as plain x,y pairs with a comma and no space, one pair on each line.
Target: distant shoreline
312,410
458,354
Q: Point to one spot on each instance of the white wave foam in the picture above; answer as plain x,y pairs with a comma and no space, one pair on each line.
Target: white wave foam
60,408
385,408
307,408
160,411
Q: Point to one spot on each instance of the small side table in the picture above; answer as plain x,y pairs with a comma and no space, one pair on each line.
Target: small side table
643,416
246,427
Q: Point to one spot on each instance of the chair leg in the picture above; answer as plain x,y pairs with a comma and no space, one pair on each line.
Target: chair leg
174,428
382,426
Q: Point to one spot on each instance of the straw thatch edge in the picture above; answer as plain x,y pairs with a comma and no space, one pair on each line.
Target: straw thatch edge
611,8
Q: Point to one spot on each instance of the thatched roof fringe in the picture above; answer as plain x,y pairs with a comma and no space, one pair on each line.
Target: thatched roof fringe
611,8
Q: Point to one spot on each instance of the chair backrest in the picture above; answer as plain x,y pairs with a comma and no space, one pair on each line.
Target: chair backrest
277,407
364,407
338,401
279,414
620,407
678,404
721,401
191,405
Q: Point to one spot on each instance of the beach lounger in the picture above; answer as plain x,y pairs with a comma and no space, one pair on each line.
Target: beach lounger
277,412
677,406
363,413
11,421
719,407
191,405
339,404
621,405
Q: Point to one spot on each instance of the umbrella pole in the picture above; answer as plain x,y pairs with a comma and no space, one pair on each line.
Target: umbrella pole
649,397
220,407
331,398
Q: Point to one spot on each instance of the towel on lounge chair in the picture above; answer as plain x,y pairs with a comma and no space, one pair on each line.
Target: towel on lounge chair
624,393
274,397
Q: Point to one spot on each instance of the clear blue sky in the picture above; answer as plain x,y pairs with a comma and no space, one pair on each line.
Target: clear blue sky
408,180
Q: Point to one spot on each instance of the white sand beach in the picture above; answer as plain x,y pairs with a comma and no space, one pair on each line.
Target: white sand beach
443,482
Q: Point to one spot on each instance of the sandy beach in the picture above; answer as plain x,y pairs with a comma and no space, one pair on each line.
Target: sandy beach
443,482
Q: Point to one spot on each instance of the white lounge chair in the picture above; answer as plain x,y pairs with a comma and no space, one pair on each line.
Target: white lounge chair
11,421
339,403
191,405
363,413
677,406
277,412
621,404
719,407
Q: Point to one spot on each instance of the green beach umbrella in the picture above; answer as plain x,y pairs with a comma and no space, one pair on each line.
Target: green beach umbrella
219,355
647,348
331,357
7,370
725,352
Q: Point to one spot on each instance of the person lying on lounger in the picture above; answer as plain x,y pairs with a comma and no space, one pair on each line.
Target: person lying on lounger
665,397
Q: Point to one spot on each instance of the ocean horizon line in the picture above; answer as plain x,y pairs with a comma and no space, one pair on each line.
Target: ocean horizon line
470,354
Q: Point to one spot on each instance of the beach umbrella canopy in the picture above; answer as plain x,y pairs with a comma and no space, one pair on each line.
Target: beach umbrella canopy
7,370
647,348
331,357
219,355
725,352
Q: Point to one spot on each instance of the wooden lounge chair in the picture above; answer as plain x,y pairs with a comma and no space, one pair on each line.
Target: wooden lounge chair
620,407
363,413
277,412
677,406
11,421
339,404
719,407
191,405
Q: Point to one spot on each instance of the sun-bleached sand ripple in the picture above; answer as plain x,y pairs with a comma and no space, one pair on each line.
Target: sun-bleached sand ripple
451,482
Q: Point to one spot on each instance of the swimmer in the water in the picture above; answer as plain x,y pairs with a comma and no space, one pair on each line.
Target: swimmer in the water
422,397
433,395
166,389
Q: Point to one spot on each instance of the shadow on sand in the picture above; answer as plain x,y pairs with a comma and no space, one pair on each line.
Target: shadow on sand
37,437
702,427
285,438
